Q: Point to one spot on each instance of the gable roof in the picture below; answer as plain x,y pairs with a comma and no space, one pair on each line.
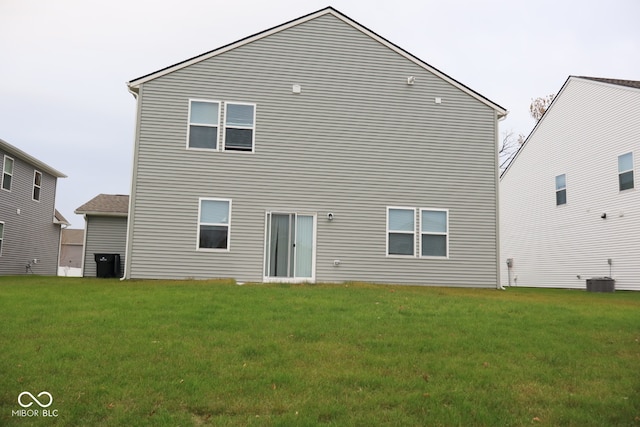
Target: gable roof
106,205
58,218
134,84
40,165
618,82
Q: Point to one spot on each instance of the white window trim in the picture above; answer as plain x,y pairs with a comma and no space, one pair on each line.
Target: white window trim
253,128
632,170
561,189
4,166
433,234
415,227
272,279
2,238
198,248
35,173
189,123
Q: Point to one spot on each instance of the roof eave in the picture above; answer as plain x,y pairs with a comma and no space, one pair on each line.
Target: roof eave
42,166
100,213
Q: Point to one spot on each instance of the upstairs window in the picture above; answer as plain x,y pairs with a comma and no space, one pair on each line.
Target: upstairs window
625,171
214,222
7,173
37,185
239,126
434,231
204,121
561,190
401,231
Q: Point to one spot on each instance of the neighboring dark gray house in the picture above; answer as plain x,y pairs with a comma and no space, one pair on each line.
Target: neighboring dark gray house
315,151
105,229
29,224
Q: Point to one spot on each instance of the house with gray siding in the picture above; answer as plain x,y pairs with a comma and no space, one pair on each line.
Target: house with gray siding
105,230
29,223
315,151
570,199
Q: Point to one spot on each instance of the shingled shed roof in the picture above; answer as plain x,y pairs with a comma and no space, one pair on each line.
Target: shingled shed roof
107,205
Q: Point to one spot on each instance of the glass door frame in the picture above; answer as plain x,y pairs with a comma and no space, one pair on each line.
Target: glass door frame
267,247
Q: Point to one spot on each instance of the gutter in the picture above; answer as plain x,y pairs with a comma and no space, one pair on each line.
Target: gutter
498,283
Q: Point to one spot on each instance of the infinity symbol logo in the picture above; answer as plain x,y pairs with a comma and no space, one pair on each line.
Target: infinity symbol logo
42,405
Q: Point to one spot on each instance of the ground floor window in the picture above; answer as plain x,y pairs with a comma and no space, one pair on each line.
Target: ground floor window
214,224
403,236
401,231
434,232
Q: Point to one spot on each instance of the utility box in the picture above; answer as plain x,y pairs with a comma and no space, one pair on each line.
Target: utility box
107,265
601,284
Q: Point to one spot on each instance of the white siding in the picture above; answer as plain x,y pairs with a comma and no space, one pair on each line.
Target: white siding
355,140
588,126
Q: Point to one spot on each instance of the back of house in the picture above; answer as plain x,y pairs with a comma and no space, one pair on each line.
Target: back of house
315,151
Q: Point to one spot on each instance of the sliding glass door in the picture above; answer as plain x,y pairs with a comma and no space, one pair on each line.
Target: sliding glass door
290,247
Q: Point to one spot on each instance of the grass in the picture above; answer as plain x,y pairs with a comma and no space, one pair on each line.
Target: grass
167,353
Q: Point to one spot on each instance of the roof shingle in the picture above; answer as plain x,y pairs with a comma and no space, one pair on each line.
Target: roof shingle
619,82
106,204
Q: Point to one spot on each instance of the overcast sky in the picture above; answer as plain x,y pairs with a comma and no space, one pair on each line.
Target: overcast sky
64,64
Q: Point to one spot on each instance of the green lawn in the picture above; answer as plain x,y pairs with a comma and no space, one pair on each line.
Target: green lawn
167,353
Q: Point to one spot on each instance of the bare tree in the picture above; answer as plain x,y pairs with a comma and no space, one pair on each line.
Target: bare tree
508,148
539,106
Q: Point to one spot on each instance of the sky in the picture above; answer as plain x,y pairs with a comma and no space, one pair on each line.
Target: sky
64,64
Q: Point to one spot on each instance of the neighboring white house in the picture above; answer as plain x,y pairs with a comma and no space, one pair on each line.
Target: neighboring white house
315,151
570,200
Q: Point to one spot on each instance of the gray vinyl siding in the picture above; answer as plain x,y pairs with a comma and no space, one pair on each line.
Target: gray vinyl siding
104,235
31,233
356,140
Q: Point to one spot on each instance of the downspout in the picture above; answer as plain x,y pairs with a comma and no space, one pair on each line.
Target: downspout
497,178
84,243
130,214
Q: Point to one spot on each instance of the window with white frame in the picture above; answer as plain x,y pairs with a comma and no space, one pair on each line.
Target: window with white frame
1,236
214,221
401,231
7,173
625,171
239,126
37,185
561,189
204,121
434,233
